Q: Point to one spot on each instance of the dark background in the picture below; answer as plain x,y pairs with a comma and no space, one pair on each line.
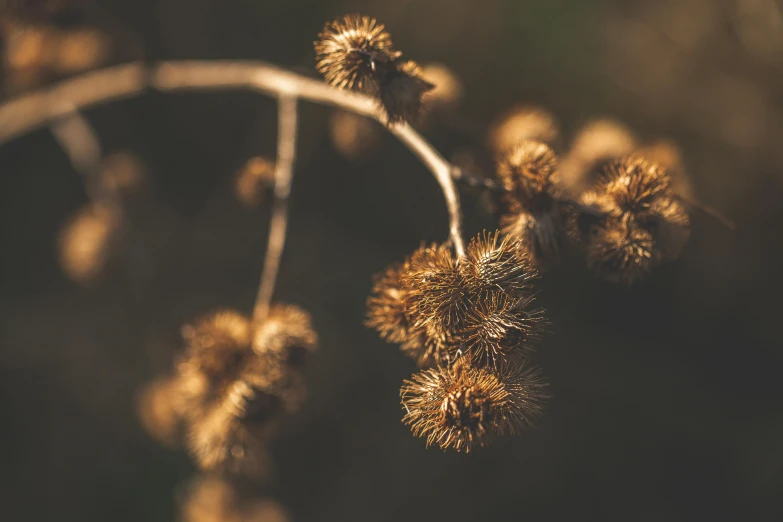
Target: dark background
666,397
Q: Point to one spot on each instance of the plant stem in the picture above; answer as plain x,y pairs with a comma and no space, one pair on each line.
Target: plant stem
287,120
29,111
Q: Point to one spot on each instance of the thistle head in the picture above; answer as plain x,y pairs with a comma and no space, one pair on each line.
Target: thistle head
493,261
634,184
539,234
286,333
402,92
354,52
463,406
622,251
529,173
597,143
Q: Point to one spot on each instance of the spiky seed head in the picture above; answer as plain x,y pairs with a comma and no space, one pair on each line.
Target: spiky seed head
579,222
597,143
500,327
529,174
669,156
217,344
521,124
87,242
352,135
386,305
252,181
622,251
354,52
402,92
493,261
433,290
286,333
634,184
463,406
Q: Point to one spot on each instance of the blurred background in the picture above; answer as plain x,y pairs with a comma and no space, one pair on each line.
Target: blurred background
666,396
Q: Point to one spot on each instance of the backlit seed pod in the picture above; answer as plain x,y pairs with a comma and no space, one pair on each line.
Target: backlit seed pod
597,143
622,251
529,173
522,124
286,333
253,180
500,326
447,91
578,222
161,411
354,52
386,306
402,92
352,135
492,261
434,293
634,184
461,407
87,241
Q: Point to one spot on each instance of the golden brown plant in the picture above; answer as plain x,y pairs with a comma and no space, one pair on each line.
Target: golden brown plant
530,176
463,406
355,52
285,334
597,143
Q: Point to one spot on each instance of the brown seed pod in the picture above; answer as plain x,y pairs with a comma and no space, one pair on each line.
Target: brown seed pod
434,292
634,184
578,222
522,124
621,251
386,305
529,173
354,52
499,327
87,242
402,91
463,406
287,334
492,261
540,234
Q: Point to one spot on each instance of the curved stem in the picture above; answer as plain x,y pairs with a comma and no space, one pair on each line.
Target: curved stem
284,171
33,110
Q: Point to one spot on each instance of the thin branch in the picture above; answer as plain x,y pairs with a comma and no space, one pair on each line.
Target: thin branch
79,141
287,120
34,110
710,211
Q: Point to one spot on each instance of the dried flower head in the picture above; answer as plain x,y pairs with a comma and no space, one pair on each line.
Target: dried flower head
352,135
634,184
87,242
463,406
528,172
539,234
522,124
252,181
386,305
402,92
354,52
597,143
500,262
621,251
669,156
287,334
500,327
160,410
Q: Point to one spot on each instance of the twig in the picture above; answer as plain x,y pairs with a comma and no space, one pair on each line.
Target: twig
710,211
284,171
33,110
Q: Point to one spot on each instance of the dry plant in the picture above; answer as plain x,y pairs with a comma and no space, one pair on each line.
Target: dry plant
467,315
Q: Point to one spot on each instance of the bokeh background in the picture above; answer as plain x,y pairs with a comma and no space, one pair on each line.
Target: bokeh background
666,397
